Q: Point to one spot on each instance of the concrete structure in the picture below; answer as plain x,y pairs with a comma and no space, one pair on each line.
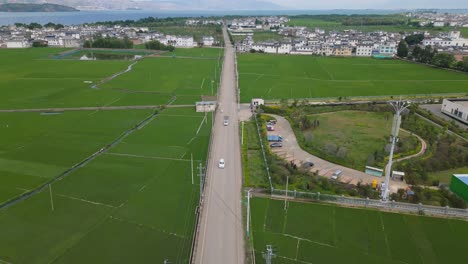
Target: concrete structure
257,102
208,41
388,49
18,43
205,106
342,50
459,185
178,41
457,109
364,50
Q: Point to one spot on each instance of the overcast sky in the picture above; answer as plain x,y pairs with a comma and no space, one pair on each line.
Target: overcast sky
374,4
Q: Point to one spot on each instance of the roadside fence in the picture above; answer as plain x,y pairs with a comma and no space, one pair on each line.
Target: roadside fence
370,203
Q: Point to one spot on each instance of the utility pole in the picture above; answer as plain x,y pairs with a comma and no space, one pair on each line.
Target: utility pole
269,255
191,165
286,197
399,107
248,213
201,176
242,137
212,81
51,198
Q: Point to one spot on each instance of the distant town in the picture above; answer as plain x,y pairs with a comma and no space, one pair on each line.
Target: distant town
292,40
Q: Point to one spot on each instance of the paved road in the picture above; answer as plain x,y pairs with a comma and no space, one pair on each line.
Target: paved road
220,237
291,151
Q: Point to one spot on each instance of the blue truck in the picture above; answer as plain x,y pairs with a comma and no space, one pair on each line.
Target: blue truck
274,138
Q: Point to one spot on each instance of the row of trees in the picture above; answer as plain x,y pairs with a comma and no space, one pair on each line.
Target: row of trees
35,25
410,48
156,45
110,43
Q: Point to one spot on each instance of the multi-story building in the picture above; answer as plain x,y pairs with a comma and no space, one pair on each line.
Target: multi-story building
364,50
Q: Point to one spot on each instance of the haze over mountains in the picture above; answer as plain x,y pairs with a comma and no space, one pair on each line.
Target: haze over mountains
179,5
159,4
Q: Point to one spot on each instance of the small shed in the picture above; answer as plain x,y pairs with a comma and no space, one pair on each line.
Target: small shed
257,102
205,106
374,171
398,175
459,185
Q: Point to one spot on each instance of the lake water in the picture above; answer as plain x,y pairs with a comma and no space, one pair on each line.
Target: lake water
74,18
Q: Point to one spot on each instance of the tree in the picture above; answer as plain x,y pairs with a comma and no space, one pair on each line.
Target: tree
402,51
443,60
156,45
414,39
416,52
465,64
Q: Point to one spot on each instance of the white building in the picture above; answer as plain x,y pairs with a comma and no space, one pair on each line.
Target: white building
454,34
284,48
178,41
18,43
364,50
388,49
208,41
457,109
439,23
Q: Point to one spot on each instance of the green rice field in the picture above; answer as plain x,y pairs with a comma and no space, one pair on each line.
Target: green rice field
279,76
321,233
32,78
134,199
134,203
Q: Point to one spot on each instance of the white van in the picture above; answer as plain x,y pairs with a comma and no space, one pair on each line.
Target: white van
226,120
336,174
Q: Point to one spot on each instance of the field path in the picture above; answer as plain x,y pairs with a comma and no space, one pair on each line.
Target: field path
89,108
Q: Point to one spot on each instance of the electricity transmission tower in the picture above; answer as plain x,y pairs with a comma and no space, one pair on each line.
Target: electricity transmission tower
399,107
269,255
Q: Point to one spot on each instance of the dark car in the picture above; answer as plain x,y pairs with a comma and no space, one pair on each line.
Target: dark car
276,145
308,164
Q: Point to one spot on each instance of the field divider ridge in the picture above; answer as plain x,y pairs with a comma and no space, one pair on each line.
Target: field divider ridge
80,164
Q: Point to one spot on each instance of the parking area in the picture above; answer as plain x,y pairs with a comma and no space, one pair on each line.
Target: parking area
291,151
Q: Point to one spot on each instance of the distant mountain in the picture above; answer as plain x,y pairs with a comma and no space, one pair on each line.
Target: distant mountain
14,7
158,4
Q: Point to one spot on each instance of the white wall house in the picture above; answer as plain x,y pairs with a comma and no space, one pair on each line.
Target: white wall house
208,41
364,50
284,48
178,41
388,49
457,109
18,43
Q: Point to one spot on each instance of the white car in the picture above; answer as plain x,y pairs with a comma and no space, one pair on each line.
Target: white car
221,164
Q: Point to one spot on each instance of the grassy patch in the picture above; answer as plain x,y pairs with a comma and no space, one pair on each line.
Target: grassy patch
353,138
254,165
446,175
